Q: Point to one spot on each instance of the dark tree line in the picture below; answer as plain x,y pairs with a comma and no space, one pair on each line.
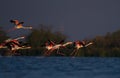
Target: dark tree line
3,35
103,46
108,45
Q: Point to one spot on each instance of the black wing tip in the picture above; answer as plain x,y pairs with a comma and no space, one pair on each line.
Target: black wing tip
62,41
21,22
11,21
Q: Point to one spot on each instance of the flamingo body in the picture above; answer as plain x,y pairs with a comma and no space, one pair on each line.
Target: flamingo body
19,25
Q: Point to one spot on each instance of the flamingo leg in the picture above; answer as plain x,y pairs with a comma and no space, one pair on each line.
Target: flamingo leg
76,53
50,52
13,52
46,53
73,52
59,52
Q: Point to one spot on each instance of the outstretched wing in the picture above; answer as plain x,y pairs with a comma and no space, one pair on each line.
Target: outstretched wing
22,37
88,44
24,47
67,43
51,42
62,41
18,48
16,22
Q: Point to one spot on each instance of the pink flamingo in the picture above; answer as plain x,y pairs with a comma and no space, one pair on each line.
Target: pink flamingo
19,25
52,46
13,44
78,45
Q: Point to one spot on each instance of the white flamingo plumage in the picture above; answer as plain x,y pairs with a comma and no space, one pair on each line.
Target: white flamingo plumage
53,46
13,44
19,25
78,45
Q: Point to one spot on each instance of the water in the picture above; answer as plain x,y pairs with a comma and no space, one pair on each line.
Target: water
59,67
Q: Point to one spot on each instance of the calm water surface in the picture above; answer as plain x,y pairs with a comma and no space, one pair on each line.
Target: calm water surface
59,67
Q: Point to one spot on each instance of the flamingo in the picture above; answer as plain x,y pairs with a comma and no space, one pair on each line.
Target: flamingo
58,46
78,45
19,25
49,45
52,46
13,44
10,40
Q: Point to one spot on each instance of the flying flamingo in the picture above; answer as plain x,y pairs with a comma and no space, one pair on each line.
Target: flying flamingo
78,45
10,40
52,46
19,25
13,44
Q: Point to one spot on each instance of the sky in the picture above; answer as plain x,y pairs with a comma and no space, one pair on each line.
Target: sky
78,19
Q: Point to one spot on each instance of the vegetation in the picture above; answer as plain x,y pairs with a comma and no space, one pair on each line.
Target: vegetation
39,36
103,46
108,45
3,35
